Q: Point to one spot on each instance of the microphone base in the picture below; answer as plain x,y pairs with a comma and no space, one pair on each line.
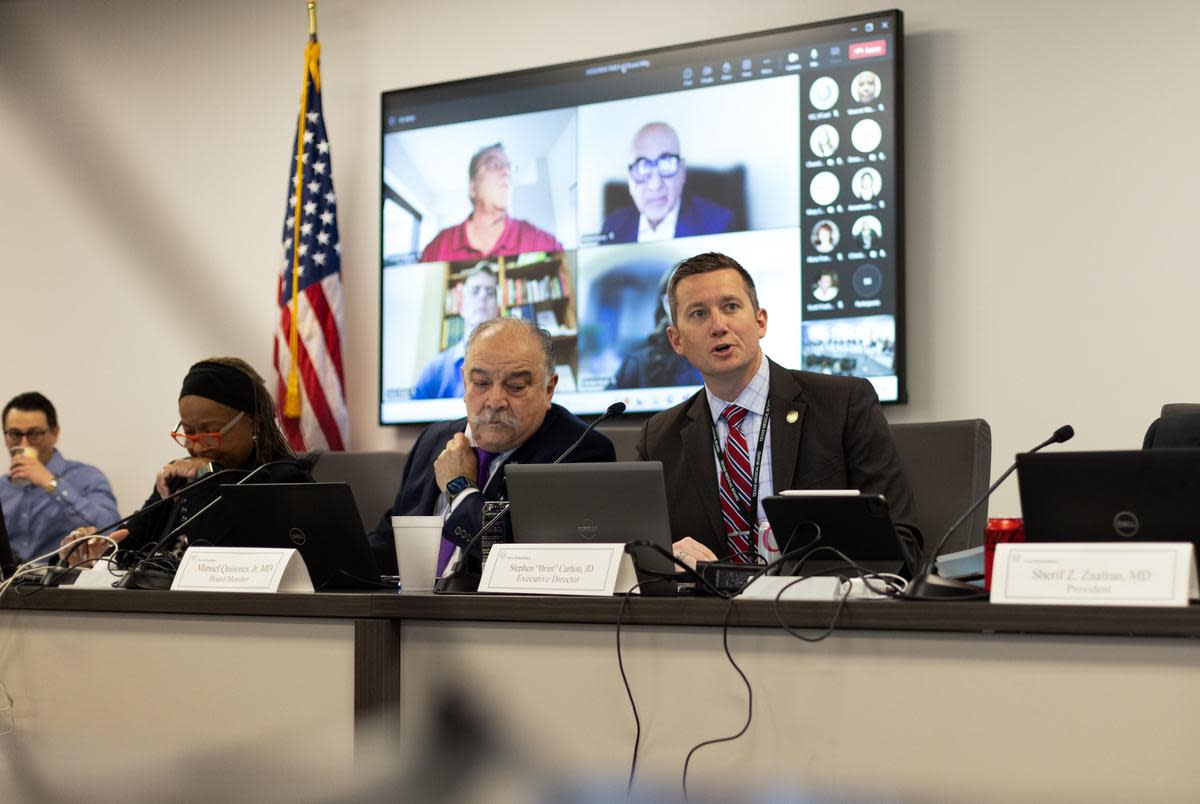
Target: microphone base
145,578
458,583
935,587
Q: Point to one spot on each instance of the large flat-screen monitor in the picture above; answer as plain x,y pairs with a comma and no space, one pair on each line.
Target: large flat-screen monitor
566,194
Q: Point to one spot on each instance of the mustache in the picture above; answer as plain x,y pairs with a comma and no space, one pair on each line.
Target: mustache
500,417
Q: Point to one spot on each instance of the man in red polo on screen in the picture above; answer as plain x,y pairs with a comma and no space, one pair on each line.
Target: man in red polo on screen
489,231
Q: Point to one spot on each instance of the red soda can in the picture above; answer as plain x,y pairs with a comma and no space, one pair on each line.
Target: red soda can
999,531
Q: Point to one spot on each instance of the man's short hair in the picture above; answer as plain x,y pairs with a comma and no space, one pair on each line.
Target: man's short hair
703,264
32,400
482,268
543,337
473,168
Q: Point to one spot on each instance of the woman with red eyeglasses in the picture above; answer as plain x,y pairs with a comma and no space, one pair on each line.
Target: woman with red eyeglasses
226,422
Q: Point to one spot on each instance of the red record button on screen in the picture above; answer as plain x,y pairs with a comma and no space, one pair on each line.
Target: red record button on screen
868,50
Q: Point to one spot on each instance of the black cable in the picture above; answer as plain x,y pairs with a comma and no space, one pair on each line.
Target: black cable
30,584
804,553
630,548
748,556
165,563
663,576
65,561
637,722
837,612
36,583
749,703
788,555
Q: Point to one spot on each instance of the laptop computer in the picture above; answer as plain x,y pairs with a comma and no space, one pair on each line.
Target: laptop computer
1127,495
857,525
595,503
320,520
8,562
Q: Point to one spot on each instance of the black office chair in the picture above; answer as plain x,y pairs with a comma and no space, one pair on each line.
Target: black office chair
625,439
949,465
374,477
1178,426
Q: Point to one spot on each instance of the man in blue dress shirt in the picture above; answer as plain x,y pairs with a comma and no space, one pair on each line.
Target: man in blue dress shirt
44,496
442,377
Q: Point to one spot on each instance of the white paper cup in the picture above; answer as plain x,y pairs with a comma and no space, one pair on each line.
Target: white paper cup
28,452
418,539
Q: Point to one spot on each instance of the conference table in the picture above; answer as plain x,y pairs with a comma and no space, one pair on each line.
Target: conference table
921,701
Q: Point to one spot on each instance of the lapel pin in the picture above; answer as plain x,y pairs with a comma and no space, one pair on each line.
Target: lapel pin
792,417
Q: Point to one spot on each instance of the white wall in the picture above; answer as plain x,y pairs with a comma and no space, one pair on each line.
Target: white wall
143,154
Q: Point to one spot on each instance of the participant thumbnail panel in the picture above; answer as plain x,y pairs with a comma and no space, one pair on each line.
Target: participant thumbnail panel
690,163
431,308
496,187
864,288
853,347
624,313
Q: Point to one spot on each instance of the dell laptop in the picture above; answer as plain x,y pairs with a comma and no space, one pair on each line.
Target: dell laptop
1129,495
320,520
596,503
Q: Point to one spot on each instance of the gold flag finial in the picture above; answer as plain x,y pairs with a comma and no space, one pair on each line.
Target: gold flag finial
312,20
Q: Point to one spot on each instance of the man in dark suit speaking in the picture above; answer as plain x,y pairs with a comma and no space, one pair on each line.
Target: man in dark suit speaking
455,466
661,211
756,428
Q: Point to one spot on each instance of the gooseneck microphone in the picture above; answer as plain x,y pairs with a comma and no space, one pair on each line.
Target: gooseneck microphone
615,409
163,500
459,580
929,586
305,462
65,571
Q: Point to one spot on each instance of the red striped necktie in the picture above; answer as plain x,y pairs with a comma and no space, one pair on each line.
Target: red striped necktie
735,501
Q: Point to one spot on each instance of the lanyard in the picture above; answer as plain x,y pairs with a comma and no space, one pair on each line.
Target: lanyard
762,439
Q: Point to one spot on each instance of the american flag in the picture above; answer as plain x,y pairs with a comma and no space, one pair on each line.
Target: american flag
312,411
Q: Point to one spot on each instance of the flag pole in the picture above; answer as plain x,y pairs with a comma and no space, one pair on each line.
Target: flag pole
291,404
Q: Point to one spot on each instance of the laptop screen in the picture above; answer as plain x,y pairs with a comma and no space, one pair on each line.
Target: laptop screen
592,502
8,563
320,520
1138,495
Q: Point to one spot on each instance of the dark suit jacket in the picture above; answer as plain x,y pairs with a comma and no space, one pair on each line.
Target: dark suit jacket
419,491
697,216
840,440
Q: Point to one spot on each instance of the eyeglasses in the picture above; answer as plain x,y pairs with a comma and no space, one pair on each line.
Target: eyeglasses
495,164
203,440
35,435
667,166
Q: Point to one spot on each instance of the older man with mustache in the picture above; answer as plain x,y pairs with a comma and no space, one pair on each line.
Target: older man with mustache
455,467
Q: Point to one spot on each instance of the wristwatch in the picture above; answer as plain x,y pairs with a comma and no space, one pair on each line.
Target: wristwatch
458,485
52,486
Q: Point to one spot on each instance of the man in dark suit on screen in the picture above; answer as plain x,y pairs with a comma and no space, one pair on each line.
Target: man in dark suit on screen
662,210
455,466
756,428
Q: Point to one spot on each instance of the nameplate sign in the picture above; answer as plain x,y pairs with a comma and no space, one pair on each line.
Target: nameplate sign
1095,574
242,569
558,569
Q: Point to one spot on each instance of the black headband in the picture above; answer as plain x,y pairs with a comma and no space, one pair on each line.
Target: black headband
221,383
